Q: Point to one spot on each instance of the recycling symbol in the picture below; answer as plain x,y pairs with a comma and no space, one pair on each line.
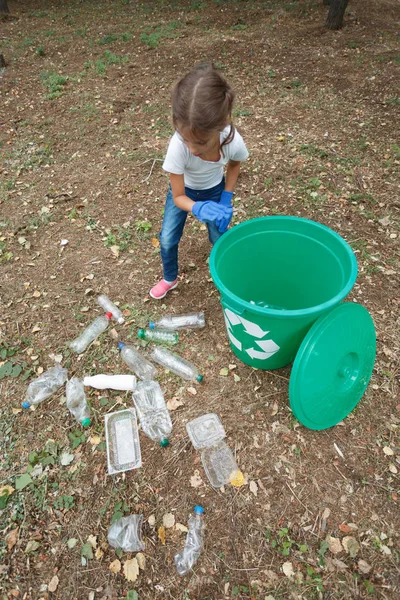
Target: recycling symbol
268,347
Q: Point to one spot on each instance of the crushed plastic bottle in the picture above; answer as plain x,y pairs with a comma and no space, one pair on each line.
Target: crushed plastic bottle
76,401
152,411
158,336
109,307
45,385
122,441
176,364
126,533
185,559
111,382
91,332
175,322
136,362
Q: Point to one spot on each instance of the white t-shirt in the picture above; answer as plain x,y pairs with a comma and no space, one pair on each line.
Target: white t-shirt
202,174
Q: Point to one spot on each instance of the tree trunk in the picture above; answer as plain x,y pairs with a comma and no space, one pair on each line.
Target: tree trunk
336,13
3,6
327,2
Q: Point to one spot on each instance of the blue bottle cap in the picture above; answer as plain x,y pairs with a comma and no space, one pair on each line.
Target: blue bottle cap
121,345
198,510
152,325
26,404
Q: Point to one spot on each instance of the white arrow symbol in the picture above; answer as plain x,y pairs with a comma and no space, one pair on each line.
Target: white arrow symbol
256,354
269,346
253,329
232,317
234,340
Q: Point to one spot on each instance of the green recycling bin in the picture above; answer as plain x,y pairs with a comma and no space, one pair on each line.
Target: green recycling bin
278,276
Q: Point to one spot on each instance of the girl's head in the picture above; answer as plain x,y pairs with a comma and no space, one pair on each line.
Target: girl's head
202,104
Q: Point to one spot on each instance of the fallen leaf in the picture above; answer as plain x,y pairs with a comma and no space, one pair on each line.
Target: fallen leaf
275,408
36,294
393,468
115,250
237,478
23,481
155,242
253,487
344,528
35,329
334,544
12,538
385,221
287,568
339,564
224,372
66,458
196,480
161,534
192,391
87,550
71,543
6,490
236,377
131,569
141,559
351,546
31,546
168,520
115,566
92,540
174,403
151,520
181,527
53,585
64,242
95,440
388,451
326,514
16,411
364,567
99,553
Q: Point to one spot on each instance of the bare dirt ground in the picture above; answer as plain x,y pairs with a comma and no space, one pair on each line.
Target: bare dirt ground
84,118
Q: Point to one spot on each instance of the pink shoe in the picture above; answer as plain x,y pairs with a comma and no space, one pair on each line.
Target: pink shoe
162,288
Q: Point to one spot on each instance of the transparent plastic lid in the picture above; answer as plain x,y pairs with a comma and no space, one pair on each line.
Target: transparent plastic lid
205,431
122,438
219,464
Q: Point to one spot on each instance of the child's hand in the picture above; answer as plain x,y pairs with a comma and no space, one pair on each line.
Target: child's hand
208,211
226,198
223,221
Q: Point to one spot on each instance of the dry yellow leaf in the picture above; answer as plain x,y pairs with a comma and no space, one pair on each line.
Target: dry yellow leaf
16,411
95,440
99,553
12,538
131,569
237,478
92,540
6,489
36,294
161,534
155,242
115,566
140,557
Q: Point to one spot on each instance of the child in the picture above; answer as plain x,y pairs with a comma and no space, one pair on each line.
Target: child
203,143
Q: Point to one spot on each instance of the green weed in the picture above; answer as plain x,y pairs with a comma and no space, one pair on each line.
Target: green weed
152,35
54,83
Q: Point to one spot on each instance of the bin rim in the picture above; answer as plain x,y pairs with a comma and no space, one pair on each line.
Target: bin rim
285,313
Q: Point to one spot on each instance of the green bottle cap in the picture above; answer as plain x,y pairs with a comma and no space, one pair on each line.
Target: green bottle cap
85,422
141,334
199,378
164,442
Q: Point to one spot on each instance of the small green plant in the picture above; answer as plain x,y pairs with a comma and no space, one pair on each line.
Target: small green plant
108,39
11,366
152,36
39,51
5,254
77,438
296,83
64,502
120,509
54,83
143,226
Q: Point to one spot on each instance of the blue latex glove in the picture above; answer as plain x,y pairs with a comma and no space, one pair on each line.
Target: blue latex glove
223,221
226,198
207,211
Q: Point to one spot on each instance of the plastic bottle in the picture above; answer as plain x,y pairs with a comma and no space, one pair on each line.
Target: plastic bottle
45,385
111,382
152,411
185,559
109,306
176,364
89,334
174,322
136,362
158,336
76,401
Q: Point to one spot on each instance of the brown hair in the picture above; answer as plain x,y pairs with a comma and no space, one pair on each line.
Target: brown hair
202,102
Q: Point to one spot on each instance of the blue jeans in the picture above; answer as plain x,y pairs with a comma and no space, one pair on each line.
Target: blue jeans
174,221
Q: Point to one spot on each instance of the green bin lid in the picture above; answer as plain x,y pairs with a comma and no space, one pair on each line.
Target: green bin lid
333,366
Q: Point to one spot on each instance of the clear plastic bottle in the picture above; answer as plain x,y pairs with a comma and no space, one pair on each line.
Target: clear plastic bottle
175,322
136,362
109,306
158,336
176,364
89,334
185,559
76,401
45,385
152,411
111,382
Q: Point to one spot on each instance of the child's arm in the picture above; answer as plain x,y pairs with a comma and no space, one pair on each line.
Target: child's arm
232,174
178,192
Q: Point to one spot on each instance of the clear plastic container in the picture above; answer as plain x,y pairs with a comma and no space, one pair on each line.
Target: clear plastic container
158,336
89,334
122,438
176,364
206,430
109,307
175,322
185,559
152,411
111,382
136,362
126,533
76,401
45,385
